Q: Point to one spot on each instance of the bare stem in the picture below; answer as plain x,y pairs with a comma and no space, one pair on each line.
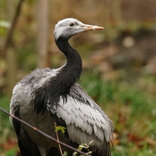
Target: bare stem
57,137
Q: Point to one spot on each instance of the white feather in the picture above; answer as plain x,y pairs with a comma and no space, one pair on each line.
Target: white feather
83,116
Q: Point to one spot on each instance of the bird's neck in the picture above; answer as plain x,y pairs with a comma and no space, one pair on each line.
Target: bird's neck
60,84
71,72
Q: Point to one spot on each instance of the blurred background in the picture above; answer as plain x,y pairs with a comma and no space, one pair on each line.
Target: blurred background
119,63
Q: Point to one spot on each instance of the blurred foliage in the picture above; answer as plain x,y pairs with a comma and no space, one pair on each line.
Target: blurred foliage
132,109
119,64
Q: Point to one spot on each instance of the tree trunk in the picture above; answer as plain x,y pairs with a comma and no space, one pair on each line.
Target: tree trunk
11,54
42,38
11,69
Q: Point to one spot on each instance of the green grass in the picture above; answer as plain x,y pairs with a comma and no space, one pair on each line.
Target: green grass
6,129
132,150
5,125
11,152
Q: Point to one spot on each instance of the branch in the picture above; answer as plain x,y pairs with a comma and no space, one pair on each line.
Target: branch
41,132
8,41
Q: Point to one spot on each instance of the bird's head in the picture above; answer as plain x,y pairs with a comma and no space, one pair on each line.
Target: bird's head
68,27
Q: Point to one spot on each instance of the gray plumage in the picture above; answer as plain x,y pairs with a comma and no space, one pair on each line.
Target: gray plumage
45,96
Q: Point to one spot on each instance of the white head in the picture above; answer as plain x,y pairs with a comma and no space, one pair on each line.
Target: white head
68,27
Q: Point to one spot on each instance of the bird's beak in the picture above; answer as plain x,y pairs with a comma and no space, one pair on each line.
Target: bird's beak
87,27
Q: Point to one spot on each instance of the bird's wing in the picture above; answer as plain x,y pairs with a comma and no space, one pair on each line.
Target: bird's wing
84,119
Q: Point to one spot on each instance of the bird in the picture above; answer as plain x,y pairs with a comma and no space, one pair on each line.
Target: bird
47,96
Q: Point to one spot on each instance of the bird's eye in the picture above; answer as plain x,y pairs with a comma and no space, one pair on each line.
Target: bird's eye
71,24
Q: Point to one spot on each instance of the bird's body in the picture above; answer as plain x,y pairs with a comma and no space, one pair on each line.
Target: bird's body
49,95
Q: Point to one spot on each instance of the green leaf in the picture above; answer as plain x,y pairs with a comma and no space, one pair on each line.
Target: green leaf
60,128
65,154
4,24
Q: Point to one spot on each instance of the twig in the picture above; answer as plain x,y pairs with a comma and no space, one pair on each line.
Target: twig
57,137
41,132
8,40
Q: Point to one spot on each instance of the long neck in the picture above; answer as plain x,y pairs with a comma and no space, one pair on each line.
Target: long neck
62,82
72,70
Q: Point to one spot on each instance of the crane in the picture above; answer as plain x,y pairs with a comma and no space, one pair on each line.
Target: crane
49,95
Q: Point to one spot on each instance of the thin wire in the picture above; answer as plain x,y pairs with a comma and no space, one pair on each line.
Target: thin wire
41,132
